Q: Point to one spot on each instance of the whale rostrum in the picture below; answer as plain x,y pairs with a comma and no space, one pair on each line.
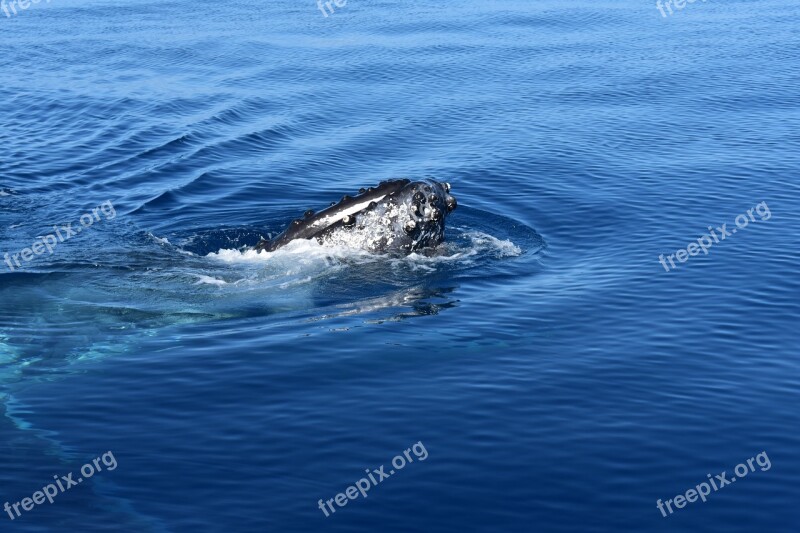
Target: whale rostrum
397,216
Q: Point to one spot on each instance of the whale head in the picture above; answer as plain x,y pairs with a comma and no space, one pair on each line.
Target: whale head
397,216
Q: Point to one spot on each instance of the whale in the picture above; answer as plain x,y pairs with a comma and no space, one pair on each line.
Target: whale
398,216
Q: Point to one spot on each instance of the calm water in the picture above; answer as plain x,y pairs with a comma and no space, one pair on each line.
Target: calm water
557,376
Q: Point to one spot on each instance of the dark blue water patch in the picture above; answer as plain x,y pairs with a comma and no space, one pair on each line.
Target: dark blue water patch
209,241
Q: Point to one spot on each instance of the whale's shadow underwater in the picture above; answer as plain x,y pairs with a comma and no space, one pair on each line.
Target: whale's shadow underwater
397,217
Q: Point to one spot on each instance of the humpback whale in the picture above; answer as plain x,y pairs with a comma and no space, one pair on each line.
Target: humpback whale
397,216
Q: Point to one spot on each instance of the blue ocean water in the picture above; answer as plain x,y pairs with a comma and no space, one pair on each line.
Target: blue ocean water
558,377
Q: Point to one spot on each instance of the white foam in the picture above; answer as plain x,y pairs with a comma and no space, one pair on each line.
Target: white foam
501,248
208,280
304,258
479,244
299,252
159,240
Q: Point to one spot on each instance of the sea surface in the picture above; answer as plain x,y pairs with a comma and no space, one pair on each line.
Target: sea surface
543,370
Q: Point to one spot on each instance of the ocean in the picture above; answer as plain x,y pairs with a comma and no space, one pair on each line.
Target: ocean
609,326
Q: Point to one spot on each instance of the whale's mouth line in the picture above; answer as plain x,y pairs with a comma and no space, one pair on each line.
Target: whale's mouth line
341,215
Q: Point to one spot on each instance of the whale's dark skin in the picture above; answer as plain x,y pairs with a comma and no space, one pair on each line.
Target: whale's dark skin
397,216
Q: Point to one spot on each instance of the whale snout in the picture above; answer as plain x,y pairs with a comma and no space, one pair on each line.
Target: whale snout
397,216
428,204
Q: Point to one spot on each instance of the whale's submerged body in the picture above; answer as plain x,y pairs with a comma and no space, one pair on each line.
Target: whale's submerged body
397,216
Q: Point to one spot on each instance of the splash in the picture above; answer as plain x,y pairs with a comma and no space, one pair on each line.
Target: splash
300,255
